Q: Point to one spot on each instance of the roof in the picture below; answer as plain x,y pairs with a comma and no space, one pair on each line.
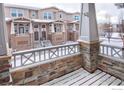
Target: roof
59,10
36,8
21,6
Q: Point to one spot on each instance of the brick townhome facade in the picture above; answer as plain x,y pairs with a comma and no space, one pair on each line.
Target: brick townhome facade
28,27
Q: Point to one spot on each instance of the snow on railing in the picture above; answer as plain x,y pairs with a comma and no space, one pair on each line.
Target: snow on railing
33,56
111,50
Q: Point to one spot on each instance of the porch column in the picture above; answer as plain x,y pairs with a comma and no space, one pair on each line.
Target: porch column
12,33
74,27
74,31
12,28
4,58
52,28
89,39
64,32
31,35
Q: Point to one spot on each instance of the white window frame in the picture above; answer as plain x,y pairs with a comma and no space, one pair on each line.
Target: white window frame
17,11
33,13
47,15
76,18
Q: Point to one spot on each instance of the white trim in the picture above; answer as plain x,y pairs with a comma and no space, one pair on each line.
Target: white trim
43,62
17,11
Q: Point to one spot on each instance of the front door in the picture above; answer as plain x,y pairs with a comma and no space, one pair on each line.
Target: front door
36,36
44,35
21,30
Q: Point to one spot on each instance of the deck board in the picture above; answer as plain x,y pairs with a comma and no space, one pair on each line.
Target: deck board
116,82
122,84
63,77
108,81
101,80
82,77
94,79
77,79
87,78
70,78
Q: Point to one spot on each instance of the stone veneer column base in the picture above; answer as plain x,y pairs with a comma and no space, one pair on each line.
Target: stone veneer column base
4,70
89,51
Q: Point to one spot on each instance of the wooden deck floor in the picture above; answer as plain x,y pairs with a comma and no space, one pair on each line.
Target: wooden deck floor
81,77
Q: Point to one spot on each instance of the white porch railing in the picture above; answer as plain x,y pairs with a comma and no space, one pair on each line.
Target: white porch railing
113,51
33,56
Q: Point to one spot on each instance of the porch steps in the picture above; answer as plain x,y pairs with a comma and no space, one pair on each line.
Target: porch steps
45,43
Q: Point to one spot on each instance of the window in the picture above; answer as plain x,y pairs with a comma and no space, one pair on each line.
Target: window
36,36
76,17
47,15
43,26
33,13
15,28
27,28
60,16
13,12
57,28
20,13
16,12
35,26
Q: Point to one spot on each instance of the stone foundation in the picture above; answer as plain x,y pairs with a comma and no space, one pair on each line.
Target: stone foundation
36,75
112,66
89,53
4,70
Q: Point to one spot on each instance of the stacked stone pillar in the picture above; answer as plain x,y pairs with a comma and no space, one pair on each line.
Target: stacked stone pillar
4,70
89,40
4,58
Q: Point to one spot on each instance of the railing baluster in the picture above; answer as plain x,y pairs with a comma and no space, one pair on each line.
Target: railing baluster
39,55
49,54
14,61
61,51
111,52
21,60
57,50
34,57
65,50
44,53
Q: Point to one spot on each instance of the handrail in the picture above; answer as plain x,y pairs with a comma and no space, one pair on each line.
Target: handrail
44,48
112,50
32,56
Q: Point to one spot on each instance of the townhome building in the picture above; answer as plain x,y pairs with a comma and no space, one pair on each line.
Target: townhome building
30,27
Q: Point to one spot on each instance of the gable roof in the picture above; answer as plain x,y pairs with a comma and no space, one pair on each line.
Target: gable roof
21,6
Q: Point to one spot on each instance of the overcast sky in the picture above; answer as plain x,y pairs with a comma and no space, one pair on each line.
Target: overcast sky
101,9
